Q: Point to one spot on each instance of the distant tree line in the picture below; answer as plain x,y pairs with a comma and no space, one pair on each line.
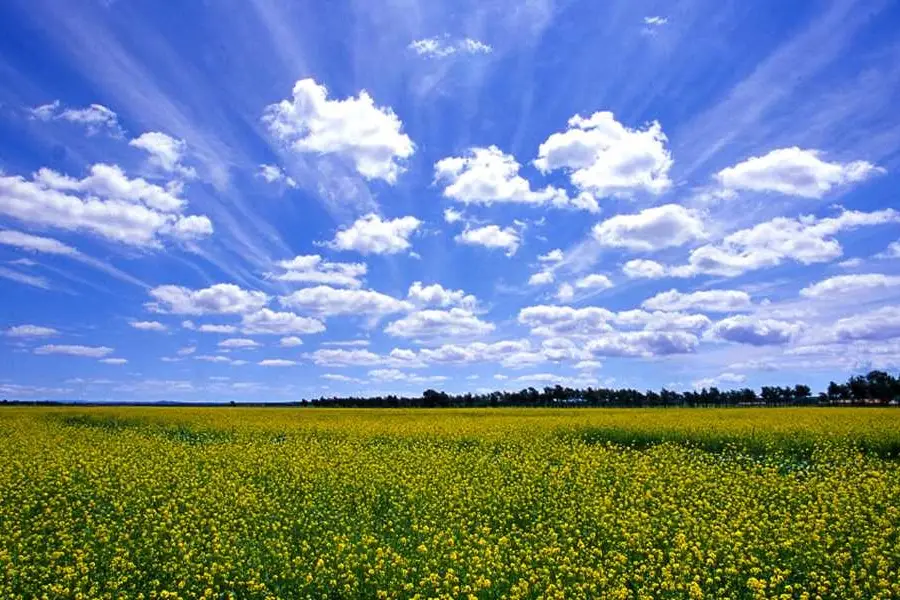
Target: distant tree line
876,388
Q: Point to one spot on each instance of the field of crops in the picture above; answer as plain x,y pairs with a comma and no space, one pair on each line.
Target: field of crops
317,503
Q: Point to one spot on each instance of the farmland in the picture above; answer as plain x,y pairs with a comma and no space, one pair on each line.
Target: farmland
508,503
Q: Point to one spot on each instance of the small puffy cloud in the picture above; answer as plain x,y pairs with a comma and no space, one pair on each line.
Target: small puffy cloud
29,331
105,203
565,292
726,378
566,321
880,324
841,285
605,158
703,300
165,152
655,21
339,357
642,343
488,176
541,278
239,343
452,216
430,324
746,329
588,365
552,257
267,321
94,118
212,328
34,243
277,362
444,46
328,301
492,237
347,343
651,229
186,351
218,358
148,325
366,135
339,377
640,268
794,172
594,281
274,174
372,235
290,342
74,350
221,298
436,295
312,268
114,361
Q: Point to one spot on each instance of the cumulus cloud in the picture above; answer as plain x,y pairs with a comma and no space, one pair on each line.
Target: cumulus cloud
221,298
642,343
430,324
488,175
372,235
651,229
444,46
880,324
437,295
34,243
148,325
566,321
274,174
165,152
491,237
31,331
398,375
542,278
290,342
594,281
354,128
327,301
794,172
452,216
239,343
339,357
267,321
74,350
703,300
641,268
105,203
312,268
276,362
746,329
213,328
655,21
726,378
94,118
605,158
114,361
860,284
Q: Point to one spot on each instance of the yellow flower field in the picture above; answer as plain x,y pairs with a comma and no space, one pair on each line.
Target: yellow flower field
529,503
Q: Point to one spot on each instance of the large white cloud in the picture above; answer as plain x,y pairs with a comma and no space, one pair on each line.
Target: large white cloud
606,158
842,285
748,329
651,229
105,203
221,298
488,175
373,235
492,237
430,324
165,152
354,128
704,300
312,268
267,321
794,172
327,301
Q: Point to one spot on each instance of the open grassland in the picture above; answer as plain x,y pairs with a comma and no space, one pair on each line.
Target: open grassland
529,503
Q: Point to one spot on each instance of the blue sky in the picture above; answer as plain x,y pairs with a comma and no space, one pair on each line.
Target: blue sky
269,200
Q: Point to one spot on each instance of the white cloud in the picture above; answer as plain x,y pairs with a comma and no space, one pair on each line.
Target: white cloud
861,284
372,235
26,331
452,216
276,362
745,329
290,342
588,365
880,324
354,128
651,229
655,21
566,321
74,350
114,361
32,280
338,357
431,324
347,343
640,268
186,351
165,152
221,298
94,117
719,379
794,172
565,292
328,301
267,321
541,278
552,257
210,328
892,251
594,282
605,158
274,174
34,243
338,377
212,358
436,295
642,343
105,203
239,343
148,325
488,175
491,236
312,268
704,300
443,46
